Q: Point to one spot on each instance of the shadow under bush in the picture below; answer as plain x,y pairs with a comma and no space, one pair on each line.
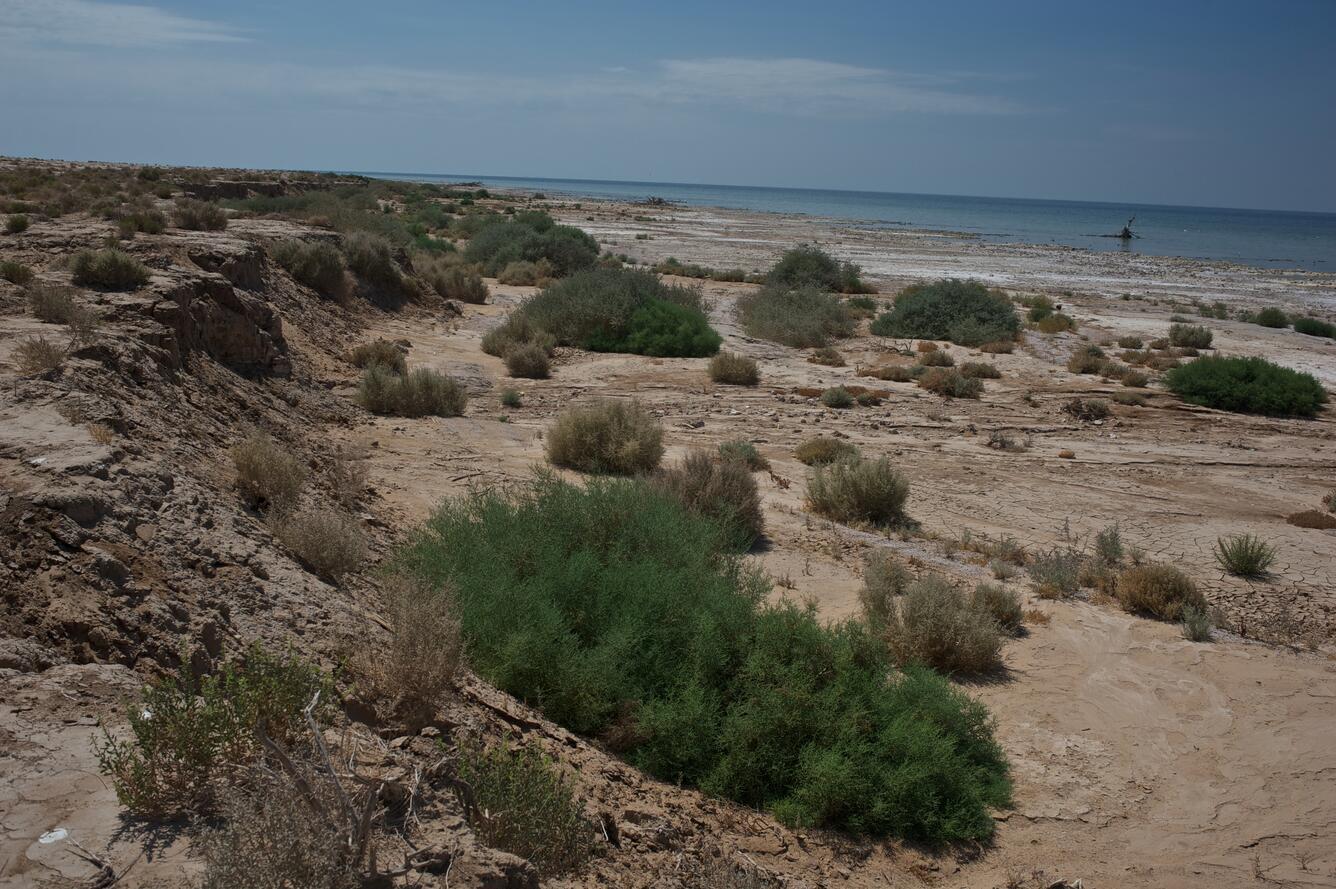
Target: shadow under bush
620,613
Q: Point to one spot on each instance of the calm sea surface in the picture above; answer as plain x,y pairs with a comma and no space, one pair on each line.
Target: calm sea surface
1272,239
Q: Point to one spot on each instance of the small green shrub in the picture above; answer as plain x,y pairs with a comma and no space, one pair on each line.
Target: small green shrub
862,306
189,732
802,318
1315,327
528,361
455,282
1197,624
720,490
978,370
1056,573
964,312
950,383
516,330
1272,317
1109,545
935,625
809,266
739,450
606,436
108,269
15,272
936,358
16,223
859,490
884,578
199,215
1191,336
511,398
417,393
1002,604
327,541
1130,342
1247,385
827,356
317,264
1245,555
522,803
1159,590
837,397
382,352
823,449
268,474
1040,307
734,370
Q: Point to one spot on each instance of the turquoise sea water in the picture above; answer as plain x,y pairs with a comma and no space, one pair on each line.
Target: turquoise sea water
1267,238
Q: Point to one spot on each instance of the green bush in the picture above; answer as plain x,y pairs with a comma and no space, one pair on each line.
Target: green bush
1247,385
108,269
418,393
810,266
528,361
511,398
16,223
317,264
606,436
950,383
617,309
371,258
823,449
199,215
935,625
1315,327
455,282
619,613
516,330
1004,605
964,312
1086,360
1040,307
1272,317
15,272
1056,573
739,450
803,318
859,490
1159,590
521,803
383,352
1197,624
837,397
1193,336
1245,555
734,370
189,732
721,490
531,236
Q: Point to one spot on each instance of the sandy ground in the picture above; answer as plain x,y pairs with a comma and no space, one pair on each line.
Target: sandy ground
1141,759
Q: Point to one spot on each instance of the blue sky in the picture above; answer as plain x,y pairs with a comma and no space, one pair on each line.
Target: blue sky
1216,103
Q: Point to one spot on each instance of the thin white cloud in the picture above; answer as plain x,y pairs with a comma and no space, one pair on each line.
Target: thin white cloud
120,25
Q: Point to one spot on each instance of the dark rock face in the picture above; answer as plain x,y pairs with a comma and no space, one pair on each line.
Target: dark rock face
208,314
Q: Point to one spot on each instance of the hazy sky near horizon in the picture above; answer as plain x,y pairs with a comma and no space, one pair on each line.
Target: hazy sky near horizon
1221,103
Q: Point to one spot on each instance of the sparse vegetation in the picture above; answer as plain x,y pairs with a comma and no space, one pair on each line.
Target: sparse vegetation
936,358
823,449
803,318
827,356
528,361
189,732
1197,624
1086,360
15,272
1130,342
511,398
1130,399
606,436
739,450
1192,336
269,475
1109,545
749,700
837,397
454,281
934,624
514,331
810,266
998,347
1245,555
1158,590
380,352
325,540
1087,410
734,370
371,258
964,312
523,804
199,215
317,264
950,383
1135,380
527,274
720,490
859,490
531,236
1056,573
108,269
1056,323
1272,317
17,223
418,393
37,354
978,370
1247,385
884,578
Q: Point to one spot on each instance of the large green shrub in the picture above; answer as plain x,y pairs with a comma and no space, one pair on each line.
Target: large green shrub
964,312
317,264
809,266
1315,327
108,269
529,237
662,329
859,489
1247,385
619,613
803,318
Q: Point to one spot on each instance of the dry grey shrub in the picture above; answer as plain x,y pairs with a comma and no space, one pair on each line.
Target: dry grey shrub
268,474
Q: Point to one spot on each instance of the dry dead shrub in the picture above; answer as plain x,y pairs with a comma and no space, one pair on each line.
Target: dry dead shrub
1056,573
884,578
1087,409
998,347
348,477
101,433
936,358
859,490
723,490
382,352
823,449
528,361
421,392
936,625
327,541
950,383
892,373
268,474
408,678
980,370
1002,603
1312,518
37,354
527,274
734,370
828,356
1159,590
926,346
606,436
1037,617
